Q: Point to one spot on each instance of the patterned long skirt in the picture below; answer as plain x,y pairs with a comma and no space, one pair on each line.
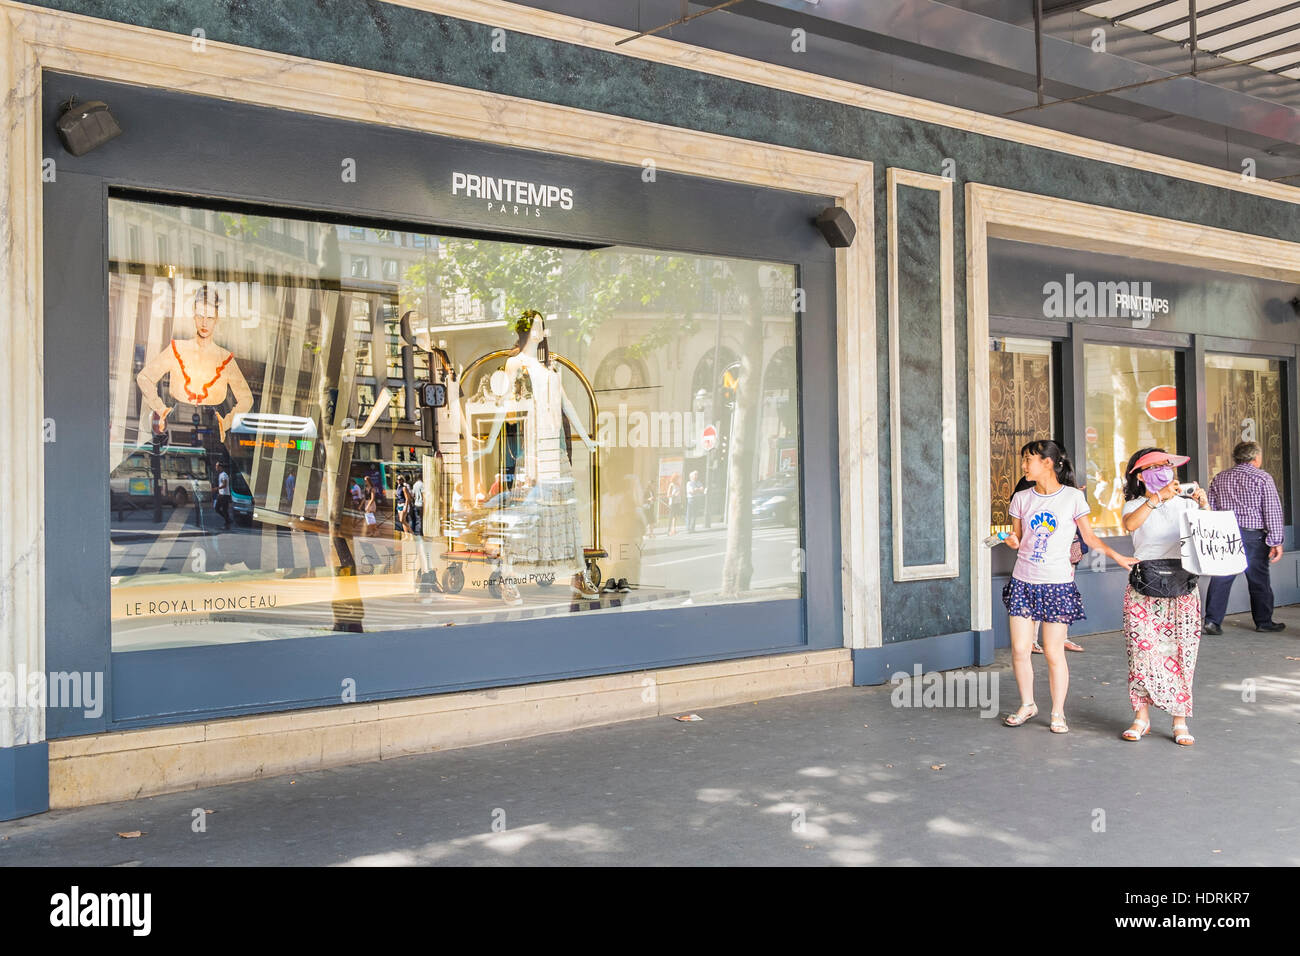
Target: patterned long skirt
1162,636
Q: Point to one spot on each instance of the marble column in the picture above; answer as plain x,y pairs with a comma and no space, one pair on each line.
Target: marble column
23,754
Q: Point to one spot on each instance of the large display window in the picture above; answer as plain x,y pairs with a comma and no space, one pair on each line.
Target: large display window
318,426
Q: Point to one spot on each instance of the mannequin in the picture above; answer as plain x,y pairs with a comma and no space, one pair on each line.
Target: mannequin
552,543
199,371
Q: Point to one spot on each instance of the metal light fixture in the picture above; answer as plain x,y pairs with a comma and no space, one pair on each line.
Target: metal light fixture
86,126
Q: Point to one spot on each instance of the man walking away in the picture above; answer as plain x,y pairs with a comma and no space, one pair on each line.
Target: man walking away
223,493
1250,492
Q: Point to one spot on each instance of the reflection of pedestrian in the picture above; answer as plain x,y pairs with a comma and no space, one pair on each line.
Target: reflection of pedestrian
290,482
417,507
223,493
650,510
694,501
675,504
1248,491
370,506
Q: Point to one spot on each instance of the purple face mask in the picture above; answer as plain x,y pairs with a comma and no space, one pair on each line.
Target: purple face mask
1158,477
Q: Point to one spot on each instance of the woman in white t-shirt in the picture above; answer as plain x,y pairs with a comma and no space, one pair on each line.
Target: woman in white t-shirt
1161,634
1042,588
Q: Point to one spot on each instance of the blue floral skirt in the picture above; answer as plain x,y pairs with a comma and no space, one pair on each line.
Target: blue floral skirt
1052,603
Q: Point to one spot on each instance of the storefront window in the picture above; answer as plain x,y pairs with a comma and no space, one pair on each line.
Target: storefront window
1131,403
1021,410
1243,402
641,429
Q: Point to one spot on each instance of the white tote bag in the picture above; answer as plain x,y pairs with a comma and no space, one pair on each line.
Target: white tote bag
1212,543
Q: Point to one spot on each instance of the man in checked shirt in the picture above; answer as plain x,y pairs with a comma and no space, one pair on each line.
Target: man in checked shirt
1248,491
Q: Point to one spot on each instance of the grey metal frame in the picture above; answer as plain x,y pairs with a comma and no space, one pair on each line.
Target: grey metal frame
192,148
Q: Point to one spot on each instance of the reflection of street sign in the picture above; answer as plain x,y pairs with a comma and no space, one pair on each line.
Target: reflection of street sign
1090,433
709,438
1162,403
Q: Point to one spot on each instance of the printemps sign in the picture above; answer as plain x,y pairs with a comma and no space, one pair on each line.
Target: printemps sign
1087,299
509,196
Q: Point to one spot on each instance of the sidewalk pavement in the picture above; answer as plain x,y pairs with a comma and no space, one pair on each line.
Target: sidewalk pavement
837,777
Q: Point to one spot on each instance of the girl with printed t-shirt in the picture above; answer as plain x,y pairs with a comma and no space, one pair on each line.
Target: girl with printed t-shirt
1042,588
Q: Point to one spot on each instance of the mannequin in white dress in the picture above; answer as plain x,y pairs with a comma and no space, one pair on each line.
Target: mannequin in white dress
550,539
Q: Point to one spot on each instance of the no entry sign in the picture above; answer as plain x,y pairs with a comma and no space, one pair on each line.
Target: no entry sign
1162,403
708,438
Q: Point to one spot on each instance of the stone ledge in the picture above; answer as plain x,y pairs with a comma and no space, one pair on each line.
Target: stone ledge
137,763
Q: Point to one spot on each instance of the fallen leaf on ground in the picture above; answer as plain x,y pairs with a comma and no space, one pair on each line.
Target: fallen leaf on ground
937,766
131,834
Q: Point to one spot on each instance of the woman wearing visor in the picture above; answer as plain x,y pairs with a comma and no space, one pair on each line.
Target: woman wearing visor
1162,607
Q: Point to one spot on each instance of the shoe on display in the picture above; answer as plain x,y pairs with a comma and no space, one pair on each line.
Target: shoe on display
1271,626
582,586
510,593
1211,628
623,586
610,585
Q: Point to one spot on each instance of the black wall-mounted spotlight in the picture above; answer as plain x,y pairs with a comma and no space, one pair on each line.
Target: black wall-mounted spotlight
836,226
86,126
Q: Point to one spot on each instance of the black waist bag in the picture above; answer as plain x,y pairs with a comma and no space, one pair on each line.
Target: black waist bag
1162,578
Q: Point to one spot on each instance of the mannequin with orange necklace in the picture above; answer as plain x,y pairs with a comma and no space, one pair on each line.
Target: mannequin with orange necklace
1042,584
199,371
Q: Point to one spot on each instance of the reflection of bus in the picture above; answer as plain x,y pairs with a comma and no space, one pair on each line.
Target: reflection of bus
185,477
286,441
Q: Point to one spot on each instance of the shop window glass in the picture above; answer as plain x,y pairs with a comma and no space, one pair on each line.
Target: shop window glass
1130,403
642,428
1021,410
360,267
1243,402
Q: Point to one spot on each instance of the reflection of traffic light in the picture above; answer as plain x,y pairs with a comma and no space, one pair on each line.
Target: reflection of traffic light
428,426
730,379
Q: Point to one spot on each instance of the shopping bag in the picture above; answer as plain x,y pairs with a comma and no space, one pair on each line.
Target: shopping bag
1212,543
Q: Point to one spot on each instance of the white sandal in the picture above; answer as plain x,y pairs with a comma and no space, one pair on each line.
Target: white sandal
1135,736
1183,739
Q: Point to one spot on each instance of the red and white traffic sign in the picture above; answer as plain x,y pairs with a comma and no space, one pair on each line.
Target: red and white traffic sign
1162,403
709,438
1090,433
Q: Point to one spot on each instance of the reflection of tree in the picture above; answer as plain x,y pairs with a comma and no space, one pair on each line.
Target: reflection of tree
586,286
738,563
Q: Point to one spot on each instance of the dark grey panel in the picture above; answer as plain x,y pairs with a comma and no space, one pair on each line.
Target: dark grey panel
76,463
920,384
1103,597
1024,280
940,652
189,146
187,683
24,780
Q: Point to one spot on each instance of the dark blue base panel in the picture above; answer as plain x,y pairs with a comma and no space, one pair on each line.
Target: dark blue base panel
195,683
943,652
24,780
1103,597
